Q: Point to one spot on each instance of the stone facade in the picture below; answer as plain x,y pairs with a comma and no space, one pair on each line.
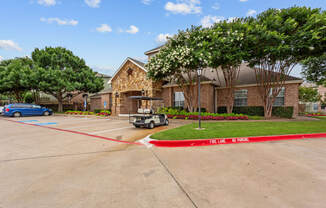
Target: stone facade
131,80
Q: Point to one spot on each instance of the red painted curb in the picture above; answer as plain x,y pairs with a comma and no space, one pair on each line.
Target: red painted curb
76,132
208,142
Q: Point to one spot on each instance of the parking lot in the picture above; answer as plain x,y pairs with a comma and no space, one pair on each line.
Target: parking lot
42,167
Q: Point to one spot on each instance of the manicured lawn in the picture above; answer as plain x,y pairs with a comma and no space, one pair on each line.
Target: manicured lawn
241,129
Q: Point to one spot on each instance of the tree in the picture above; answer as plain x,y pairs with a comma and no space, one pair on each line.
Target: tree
309,94
15,77
179,60
314,69
227,51
280,39
60,72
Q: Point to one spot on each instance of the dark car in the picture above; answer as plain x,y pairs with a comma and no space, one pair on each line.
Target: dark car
21,109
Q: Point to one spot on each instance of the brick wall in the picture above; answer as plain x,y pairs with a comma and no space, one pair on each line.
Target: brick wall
254,99
206,93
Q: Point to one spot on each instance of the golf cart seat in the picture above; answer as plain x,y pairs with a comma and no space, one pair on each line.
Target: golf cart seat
144,111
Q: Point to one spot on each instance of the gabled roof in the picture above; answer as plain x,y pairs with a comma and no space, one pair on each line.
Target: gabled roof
140,64
157,49
102,75
247,77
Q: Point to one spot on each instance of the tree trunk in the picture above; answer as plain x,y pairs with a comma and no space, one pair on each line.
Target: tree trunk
268,107
230,100
60,102
19,97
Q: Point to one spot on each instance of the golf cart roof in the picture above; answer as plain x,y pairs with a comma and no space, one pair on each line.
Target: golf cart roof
144,98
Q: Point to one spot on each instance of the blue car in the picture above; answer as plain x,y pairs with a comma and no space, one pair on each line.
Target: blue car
21,109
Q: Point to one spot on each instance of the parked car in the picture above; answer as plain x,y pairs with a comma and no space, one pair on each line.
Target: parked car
1,110
21,109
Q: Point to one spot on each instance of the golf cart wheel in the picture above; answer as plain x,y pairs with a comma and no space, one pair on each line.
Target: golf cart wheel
137,126
166,122
17,114
46,113
151,125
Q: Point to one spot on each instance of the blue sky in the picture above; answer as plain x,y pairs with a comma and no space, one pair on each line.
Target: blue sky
105,32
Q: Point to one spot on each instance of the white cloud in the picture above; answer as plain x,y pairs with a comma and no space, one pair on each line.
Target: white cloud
108,70
9,45
47,2
162,38
1,58
243,0
93,3
132,29
147,2
209,20
59,21
251,12
104,28
216,6
184,7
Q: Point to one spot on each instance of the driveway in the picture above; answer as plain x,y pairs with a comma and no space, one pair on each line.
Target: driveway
42,167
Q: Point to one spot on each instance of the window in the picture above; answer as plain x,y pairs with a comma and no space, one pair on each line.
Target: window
179,99
279,100
316,107
241,98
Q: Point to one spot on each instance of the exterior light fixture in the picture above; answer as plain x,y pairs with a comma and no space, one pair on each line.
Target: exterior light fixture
199,72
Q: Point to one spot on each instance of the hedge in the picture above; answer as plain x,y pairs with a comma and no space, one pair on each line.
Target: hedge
283,112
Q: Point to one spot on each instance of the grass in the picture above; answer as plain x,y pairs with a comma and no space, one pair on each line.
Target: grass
241,129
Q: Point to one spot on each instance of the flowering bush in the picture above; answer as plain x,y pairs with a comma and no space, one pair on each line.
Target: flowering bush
181,114
79,113
104,113
101,113
313,114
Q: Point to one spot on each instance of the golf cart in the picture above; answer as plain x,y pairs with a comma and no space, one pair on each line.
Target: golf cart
146,118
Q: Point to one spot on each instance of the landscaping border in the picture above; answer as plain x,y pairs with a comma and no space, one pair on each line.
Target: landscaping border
219,141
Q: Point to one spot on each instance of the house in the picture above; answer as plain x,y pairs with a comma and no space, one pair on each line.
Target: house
314,107
131,80
103,99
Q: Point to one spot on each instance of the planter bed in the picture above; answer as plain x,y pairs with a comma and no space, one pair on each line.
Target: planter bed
87,113
207,118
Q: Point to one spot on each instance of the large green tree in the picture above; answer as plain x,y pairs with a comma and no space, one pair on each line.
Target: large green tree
314,69
279,40
60,72
309,94
228,51
15,77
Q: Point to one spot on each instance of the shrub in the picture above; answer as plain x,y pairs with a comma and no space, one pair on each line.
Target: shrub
97,110
283,112
28,98
248,110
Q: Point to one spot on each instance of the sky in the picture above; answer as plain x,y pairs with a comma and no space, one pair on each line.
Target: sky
105,32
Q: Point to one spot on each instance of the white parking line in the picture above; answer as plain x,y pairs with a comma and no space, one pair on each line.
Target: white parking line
92,124
104,131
